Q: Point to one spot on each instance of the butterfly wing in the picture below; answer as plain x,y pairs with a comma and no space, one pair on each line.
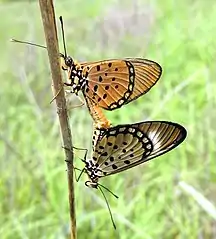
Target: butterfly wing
125,146
113,83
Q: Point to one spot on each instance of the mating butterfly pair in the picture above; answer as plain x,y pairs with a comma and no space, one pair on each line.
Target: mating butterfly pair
109,85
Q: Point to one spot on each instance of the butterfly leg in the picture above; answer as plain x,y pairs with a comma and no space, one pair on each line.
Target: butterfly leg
78,178
56,94
75,168
69,104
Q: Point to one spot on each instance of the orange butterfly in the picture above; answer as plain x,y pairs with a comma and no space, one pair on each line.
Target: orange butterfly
109,84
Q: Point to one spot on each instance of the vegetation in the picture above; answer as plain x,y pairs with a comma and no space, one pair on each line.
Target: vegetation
161,199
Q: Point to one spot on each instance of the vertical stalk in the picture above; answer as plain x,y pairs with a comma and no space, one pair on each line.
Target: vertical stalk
48,18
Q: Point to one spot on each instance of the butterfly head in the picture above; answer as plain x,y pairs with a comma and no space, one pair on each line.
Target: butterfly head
91,184
76,79
66,62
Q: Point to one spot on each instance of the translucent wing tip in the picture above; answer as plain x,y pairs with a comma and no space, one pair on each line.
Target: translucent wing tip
166,135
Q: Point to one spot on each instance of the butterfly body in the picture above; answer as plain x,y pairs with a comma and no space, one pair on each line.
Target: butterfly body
110,84
78,75
125,146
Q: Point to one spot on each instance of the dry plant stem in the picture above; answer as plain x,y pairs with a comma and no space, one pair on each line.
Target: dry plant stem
48,18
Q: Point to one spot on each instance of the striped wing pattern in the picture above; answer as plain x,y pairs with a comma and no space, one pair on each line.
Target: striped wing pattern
125,146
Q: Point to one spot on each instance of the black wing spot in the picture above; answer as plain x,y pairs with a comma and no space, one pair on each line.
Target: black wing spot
98,67
131,155
116,69
87,90
116,86
127,161
100,78
101,147
95,88
99,99
110,64
124,150
115,146
105,74
94,158
112,159
104,154
106,163
114,166
106,87
109,143
124,143
113,79
104,96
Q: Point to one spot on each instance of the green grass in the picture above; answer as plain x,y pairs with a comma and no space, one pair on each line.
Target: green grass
156,200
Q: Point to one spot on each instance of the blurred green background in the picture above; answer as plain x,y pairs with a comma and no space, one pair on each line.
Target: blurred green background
170,197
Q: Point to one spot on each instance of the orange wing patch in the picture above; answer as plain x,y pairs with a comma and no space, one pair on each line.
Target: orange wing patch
110,83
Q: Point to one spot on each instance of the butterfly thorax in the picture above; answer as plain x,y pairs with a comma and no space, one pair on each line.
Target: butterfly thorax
93,173
76,74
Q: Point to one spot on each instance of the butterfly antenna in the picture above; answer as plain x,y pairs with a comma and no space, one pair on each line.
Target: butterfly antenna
27,43
107,206
63,36
100,185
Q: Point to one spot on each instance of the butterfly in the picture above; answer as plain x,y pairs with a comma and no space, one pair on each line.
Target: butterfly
110,84
122,147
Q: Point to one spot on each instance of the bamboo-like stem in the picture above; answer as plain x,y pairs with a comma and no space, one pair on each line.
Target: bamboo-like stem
48,18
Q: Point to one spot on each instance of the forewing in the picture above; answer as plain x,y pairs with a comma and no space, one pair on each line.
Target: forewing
120,148
125,146
113,83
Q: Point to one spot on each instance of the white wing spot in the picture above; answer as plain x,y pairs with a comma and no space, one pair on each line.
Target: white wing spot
148,146
113,106
121,102
131,130
145,140
131,86
113,132
139,134
122,129
127,94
